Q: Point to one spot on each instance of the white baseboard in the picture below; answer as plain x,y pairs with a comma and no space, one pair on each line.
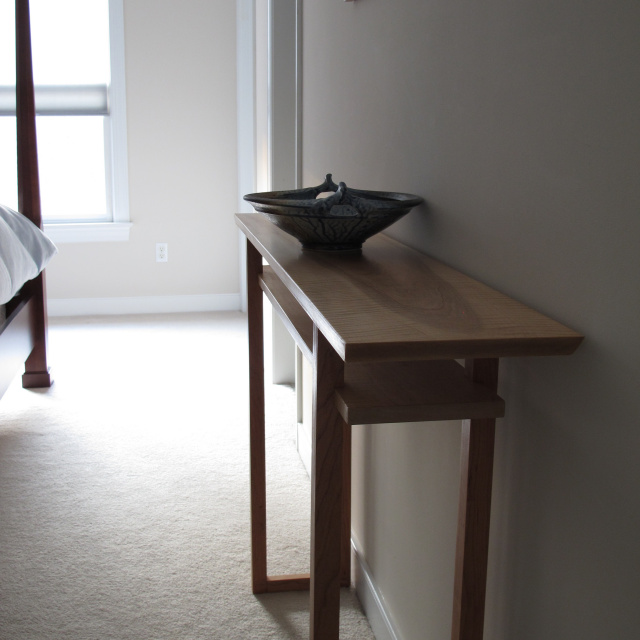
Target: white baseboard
143,304
370,598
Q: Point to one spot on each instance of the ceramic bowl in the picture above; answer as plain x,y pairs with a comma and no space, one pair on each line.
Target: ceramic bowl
341,221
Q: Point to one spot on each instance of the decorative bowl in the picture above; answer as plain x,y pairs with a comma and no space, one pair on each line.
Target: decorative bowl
340,222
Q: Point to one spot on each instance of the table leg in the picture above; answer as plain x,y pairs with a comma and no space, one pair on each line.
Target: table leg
256,423
476,475
326,492
345,559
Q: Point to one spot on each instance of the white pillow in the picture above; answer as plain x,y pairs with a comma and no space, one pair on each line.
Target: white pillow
24,252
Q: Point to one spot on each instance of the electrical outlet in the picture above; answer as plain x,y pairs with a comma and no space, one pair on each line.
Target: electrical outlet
162,252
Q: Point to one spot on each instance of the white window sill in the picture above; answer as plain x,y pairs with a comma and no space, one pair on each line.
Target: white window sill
88,231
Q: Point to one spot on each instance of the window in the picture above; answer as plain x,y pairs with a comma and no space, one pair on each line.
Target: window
78,67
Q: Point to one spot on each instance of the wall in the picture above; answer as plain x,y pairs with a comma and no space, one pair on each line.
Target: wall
518,122
181,120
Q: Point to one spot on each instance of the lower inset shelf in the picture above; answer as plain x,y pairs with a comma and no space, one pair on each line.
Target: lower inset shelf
412,392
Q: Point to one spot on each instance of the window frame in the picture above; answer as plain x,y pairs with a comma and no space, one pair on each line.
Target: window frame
107,101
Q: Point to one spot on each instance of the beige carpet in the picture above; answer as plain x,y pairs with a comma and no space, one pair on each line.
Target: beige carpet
124,490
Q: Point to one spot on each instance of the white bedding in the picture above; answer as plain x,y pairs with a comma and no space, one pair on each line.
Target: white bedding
24,252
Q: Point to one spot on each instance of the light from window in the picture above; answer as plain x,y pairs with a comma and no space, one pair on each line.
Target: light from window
70,43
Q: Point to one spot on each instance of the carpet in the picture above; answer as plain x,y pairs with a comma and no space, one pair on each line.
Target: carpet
124,490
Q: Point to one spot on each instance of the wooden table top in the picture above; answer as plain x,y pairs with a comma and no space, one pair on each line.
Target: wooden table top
390,302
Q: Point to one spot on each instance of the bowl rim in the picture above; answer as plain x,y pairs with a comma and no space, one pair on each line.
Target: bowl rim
309,196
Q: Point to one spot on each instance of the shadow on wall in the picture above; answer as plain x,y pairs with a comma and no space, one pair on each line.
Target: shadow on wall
558,517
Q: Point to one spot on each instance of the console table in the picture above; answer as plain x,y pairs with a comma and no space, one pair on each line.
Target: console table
384,330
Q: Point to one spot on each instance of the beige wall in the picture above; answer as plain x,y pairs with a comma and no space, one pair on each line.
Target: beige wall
518,122
181,117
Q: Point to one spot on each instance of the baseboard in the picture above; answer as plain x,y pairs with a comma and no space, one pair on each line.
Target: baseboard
143,304
370,598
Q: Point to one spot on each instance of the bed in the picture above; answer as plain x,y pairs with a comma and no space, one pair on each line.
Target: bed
24,250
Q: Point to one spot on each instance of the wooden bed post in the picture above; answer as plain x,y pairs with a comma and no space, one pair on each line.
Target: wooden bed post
36,367
28,179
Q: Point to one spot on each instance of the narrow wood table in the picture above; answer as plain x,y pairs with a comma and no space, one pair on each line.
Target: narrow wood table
383,330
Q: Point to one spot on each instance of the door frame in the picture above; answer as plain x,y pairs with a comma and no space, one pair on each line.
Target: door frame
257,117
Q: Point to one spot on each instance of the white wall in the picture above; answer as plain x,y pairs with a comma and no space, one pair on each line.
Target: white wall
518,122
181,117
